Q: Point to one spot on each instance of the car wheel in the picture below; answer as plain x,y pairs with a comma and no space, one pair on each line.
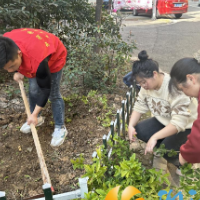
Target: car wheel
135,12
178,16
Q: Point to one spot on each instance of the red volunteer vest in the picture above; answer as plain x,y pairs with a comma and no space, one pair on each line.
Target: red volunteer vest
36,45
191,149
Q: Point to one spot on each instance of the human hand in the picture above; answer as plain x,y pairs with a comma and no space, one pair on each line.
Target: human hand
150,145
32,119
131,133
18,77
182,161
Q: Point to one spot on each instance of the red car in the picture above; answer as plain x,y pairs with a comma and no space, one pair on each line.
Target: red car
164,7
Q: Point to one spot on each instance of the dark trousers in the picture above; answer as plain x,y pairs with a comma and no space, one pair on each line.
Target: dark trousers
145,129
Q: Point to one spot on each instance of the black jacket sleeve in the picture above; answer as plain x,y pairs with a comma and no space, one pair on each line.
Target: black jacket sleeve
43,77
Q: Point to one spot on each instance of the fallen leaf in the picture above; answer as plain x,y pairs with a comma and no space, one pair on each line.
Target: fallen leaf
19,147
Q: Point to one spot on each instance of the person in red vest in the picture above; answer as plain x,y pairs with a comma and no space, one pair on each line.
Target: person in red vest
40,56
185,76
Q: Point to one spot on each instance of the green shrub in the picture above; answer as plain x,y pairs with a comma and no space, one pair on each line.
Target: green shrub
122,169
73,21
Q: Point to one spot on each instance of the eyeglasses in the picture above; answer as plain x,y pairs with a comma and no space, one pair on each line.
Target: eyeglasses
143,82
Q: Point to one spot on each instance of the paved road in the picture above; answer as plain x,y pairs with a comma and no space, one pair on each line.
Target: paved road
193,6
166,39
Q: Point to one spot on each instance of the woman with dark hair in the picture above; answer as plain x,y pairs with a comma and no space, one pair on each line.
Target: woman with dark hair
173,116
185,76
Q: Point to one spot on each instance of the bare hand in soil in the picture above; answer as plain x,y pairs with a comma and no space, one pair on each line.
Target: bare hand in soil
150,145
131,133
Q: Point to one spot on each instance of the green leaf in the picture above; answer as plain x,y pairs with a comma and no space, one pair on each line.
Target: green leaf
102,192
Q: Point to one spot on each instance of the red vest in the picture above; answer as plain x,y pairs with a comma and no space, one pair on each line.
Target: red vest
191,149
36,45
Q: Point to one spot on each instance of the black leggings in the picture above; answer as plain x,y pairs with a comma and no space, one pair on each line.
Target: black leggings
145,129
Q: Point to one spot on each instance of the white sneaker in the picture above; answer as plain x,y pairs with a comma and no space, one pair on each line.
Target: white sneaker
59,135
27,129
178,172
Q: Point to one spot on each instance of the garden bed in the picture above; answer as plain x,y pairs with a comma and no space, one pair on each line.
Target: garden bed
19,167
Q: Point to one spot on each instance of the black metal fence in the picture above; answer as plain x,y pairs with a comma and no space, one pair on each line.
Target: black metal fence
122,118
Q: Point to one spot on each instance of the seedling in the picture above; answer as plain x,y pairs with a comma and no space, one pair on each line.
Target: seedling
68,120
2,162
78,163
27,176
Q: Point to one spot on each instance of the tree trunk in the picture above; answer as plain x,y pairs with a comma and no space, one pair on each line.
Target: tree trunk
99,4
98,20
110,5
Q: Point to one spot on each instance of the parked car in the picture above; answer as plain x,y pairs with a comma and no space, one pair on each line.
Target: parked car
164,7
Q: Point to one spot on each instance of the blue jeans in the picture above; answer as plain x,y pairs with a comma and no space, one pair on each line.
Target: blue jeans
57,103
127,79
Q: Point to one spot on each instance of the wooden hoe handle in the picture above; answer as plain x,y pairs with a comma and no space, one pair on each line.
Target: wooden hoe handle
43,167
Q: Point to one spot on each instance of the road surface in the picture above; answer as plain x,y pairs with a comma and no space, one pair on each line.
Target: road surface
167,39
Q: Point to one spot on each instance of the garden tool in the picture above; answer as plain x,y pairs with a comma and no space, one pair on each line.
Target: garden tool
43,167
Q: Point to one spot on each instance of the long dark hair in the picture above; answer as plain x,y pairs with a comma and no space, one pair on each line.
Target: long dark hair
144,67
180,70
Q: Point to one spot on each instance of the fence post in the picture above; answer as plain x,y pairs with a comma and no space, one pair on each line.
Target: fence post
118,122
123,119
83,186
131,98
127,107
47,191
105,142
2,195
112,130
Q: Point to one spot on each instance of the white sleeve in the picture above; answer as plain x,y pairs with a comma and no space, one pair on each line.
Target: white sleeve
141,105
180,112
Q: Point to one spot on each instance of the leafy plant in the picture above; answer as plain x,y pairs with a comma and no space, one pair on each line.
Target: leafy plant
190,181
68,120
92,93
120,150
44,13
121,169
74,23
105,118
161,151
100,101
78,163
